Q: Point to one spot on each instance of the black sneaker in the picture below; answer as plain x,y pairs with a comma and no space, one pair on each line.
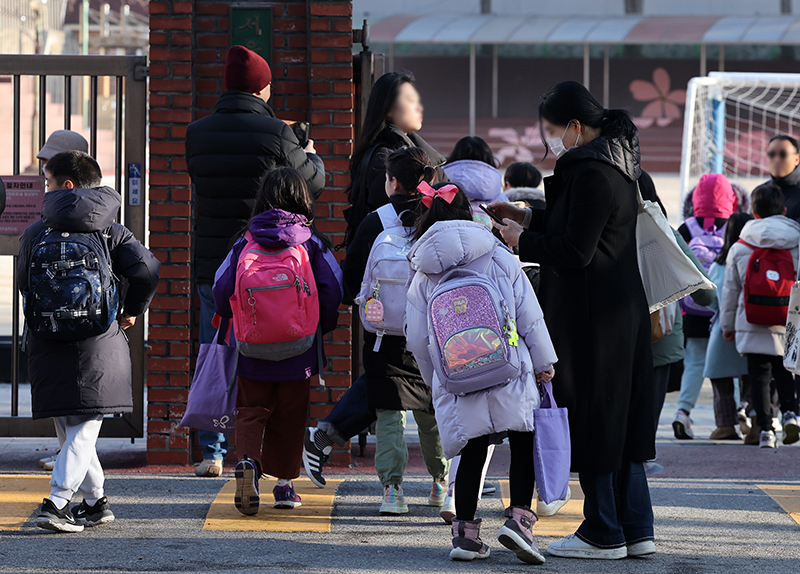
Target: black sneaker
314,458
246,498
95,515
51,518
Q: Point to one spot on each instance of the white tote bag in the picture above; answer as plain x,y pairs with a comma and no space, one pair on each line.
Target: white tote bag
791,349
667,272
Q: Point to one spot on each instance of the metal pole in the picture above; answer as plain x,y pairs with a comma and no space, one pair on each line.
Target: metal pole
84,51
67,102
14,292
42,110
606,82
495,81
722,57
586,57
472,89
118,140
703,62
93,116
391,57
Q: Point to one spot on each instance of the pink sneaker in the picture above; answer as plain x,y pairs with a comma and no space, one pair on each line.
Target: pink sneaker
286,497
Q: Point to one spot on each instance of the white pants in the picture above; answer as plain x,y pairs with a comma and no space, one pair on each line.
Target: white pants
77,467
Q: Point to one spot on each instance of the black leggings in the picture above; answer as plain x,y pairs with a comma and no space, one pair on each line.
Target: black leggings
520,475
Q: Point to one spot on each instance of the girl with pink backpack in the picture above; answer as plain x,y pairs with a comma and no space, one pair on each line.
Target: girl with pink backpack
478,334
282,287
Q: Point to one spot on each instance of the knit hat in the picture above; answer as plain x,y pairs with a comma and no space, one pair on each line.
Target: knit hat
246,71
60,141
714,197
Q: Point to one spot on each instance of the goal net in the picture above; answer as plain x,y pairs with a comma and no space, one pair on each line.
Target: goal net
730,117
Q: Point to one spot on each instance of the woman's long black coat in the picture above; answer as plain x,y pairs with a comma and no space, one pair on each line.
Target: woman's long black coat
594,303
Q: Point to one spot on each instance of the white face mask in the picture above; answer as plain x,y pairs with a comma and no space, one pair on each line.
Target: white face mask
556,145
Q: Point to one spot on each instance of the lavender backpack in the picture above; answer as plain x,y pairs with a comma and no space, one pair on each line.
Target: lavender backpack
551,447
706,245
473,334
212,396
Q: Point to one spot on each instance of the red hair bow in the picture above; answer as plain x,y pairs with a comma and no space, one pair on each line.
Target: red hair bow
448,193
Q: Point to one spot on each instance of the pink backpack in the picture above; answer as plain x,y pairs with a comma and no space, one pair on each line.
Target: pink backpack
275,302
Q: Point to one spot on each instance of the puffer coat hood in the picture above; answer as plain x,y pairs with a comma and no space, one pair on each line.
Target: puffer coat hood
509,407
714,197
776,232
482,183
615,151
742,200
530,195
81,210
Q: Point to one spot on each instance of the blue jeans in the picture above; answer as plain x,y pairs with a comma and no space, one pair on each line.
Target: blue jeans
693,366
215,444
617,508
350,416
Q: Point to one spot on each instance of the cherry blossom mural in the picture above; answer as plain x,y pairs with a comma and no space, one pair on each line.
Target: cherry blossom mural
662,102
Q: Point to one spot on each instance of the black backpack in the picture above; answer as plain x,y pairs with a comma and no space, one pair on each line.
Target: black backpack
72,290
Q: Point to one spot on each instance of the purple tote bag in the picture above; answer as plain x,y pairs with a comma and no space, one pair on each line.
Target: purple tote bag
551,447
212,396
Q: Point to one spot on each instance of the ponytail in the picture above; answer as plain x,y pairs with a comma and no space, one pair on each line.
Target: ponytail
410,165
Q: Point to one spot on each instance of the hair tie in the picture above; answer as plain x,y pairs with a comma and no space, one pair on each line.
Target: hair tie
447,193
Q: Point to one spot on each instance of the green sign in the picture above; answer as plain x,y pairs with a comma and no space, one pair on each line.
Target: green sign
251,27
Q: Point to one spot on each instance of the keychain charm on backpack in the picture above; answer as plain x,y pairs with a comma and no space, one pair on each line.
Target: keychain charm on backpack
373,311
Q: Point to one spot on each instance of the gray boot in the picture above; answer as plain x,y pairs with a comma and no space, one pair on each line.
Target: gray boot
467,543
516,534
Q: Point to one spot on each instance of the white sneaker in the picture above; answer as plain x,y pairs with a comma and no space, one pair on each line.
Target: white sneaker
49,465
776,424
51,459
682,426
394,502
209,467
768,440
744,421
644,548
574,547
543,509
791,428
448,511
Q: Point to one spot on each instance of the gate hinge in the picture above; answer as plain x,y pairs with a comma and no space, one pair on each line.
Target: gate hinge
361,36
140,72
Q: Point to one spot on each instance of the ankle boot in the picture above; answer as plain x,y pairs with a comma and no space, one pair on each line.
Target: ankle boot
752,437
516,534
467,543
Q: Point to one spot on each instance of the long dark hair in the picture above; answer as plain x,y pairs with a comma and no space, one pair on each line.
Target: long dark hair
440,210
472,147
381,101
569,101
285,188
733,229
410,166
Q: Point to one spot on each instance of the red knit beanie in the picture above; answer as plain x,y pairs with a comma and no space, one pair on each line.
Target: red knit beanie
246,71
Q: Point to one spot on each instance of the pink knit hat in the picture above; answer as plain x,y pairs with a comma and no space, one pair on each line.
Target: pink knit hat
714,197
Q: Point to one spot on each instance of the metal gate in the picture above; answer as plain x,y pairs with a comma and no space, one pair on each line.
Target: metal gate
129,74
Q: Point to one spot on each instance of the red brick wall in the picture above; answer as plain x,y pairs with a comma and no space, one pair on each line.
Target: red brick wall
188,45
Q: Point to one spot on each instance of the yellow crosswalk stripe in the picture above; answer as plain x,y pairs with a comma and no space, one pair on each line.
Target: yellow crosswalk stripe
787,496
313,516
564,523
20,495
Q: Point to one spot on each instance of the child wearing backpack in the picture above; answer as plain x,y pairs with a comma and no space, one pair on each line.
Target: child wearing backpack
723,361
714,201
282,287
476,329
761,269
79,363
375,274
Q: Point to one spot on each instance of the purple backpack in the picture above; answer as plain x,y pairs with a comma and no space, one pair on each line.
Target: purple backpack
474,344
706,245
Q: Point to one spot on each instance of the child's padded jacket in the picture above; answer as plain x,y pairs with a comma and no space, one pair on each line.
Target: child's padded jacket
277,229
778,232
502,408
92,376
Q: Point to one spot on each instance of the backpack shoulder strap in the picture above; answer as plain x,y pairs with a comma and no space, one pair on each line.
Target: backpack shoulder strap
743,242
694,227
388,216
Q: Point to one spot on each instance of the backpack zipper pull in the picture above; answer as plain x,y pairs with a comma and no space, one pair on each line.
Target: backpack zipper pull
306,288
510,328
378,342
297,283
252,302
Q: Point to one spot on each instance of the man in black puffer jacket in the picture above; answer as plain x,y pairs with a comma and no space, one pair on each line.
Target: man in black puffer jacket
228,155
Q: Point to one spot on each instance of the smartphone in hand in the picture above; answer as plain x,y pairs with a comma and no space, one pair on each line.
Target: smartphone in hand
491,214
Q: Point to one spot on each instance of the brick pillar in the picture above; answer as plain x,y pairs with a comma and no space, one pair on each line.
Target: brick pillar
189,42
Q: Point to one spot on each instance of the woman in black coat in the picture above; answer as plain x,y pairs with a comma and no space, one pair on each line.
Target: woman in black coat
597,313
394,115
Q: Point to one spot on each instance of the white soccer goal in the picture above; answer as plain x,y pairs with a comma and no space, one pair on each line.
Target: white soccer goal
729,119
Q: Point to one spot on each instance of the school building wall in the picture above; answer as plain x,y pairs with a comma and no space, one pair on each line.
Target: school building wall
312,81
